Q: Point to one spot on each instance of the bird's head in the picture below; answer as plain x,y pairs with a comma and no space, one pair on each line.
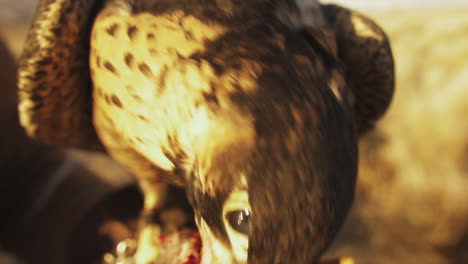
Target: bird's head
274,199
275,160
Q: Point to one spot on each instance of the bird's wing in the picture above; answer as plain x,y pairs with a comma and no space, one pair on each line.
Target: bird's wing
364,49
53,77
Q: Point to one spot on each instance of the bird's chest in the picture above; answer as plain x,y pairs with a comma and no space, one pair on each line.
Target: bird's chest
147,89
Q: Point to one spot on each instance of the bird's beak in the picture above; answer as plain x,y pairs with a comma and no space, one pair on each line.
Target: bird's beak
213,250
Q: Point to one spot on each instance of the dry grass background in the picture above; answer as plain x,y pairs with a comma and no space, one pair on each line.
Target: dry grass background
412,195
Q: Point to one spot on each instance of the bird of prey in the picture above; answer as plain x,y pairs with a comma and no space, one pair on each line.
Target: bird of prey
253,106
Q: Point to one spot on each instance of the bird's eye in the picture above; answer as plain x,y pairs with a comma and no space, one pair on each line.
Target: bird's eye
239,220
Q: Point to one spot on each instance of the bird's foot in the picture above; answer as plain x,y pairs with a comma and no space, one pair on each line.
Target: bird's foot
139,250
147,250
183,247
124,253
164,234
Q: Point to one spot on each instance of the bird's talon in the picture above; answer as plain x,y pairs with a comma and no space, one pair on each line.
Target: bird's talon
124,253
109,258
126,248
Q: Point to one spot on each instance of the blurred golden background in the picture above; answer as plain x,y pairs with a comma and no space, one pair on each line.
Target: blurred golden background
412,196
